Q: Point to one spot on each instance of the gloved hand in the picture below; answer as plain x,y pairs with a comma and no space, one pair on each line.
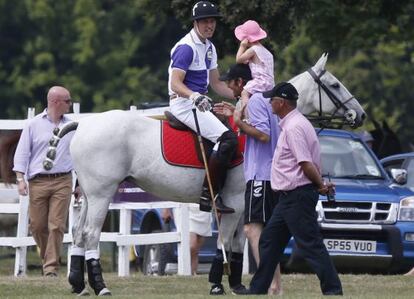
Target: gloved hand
202,102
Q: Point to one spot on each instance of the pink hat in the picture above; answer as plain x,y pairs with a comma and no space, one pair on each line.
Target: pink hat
250,30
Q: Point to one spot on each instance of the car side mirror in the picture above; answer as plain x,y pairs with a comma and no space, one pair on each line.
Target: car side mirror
399,175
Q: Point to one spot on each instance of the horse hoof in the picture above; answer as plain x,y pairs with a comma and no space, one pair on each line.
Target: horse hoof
105,292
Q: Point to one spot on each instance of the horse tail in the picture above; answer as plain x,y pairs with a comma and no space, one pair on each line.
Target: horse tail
78,226
54,141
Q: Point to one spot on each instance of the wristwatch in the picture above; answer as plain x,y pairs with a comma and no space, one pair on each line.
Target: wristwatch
19,180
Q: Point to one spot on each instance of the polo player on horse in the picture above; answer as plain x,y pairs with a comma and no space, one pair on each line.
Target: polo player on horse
193,67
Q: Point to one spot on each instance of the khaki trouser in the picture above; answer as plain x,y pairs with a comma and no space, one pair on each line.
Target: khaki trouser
48,211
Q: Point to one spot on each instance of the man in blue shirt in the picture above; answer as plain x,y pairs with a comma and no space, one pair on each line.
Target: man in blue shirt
192,69
262,133
50,192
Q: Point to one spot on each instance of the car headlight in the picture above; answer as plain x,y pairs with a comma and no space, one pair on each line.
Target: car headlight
406,212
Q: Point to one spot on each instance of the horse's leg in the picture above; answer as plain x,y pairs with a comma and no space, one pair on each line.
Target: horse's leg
236,260
77,259
231,227
97,210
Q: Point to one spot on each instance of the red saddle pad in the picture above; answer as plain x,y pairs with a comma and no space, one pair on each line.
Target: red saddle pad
179,149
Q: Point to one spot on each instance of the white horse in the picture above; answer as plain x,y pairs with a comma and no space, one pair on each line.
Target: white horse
111,146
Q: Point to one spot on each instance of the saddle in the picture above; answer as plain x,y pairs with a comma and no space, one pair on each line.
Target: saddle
180,146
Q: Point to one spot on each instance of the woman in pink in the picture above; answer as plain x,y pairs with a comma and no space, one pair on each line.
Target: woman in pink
259,58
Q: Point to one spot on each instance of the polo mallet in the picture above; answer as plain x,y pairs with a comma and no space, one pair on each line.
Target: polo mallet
226,266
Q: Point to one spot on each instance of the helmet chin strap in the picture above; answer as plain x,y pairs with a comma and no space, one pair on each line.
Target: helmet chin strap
203,39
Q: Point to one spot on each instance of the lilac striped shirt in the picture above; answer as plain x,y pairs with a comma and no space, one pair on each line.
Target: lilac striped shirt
297,143
33,144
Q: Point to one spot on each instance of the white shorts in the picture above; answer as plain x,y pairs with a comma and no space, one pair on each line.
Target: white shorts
200,222
211,127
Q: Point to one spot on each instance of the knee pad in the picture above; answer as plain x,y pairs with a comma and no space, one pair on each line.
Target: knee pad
227,146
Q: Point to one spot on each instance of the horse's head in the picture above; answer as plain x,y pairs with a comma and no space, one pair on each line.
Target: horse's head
321,92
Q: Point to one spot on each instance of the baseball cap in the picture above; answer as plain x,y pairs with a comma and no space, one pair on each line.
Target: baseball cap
284,90
239,70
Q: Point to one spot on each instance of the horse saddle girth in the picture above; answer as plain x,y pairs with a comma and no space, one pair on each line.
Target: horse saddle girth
180,146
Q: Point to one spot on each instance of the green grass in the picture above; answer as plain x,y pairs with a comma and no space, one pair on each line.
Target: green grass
140,286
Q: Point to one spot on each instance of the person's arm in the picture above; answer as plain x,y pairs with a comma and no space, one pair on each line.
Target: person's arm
248,129
314,176
21,160
300,150
181,59
219,86
224,109
244,53
166,215
21,183
177,83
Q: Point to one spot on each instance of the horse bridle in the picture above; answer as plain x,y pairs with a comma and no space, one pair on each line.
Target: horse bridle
349,115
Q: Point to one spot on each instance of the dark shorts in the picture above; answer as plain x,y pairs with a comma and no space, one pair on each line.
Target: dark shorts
259,202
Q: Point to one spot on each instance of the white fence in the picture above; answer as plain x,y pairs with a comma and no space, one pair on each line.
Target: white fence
123,237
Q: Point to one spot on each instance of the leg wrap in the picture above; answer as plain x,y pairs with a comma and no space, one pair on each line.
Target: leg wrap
227,146
95,277
216,271
236,268
77,273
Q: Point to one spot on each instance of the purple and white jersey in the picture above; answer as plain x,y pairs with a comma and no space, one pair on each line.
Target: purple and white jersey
196,58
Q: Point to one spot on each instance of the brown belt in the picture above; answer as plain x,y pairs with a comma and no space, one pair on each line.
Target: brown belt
50,175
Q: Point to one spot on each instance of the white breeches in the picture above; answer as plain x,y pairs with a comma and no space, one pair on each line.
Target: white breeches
211,127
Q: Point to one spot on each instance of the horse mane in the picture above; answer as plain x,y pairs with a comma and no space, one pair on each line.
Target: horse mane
8,145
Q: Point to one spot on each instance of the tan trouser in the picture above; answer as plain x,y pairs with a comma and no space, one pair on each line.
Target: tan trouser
48,211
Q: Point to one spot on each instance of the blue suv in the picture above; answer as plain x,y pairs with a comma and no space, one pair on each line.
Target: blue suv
370,225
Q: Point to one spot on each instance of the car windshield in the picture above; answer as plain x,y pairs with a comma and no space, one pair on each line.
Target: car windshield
347,158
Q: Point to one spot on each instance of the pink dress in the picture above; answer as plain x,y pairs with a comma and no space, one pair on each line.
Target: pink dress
262,73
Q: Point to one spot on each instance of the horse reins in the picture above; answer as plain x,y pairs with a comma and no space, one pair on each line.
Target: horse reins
334,99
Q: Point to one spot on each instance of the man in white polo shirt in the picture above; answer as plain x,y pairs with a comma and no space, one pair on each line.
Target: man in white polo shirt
192,69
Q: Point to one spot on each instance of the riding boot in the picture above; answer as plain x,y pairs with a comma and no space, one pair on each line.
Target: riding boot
95,277
77,275
217,176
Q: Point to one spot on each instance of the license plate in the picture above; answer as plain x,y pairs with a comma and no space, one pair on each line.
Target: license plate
355,246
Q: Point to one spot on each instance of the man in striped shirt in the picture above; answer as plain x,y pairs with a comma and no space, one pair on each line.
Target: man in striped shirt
296,175
50,192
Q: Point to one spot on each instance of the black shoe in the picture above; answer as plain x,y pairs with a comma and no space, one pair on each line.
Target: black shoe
217,289
240,290
333,293
206,203
51,275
